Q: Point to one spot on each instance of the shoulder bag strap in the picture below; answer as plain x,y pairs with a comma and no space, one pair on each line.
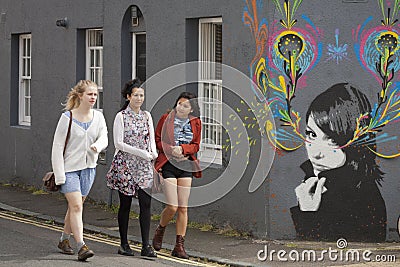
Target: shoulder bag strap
69,131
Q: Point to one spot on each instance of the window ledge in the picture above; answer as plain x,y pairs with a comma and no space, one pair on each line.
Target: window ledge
23,127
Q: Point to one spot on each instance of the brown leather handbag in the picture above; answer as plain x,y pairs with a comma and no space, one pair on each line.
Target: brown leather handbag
49,180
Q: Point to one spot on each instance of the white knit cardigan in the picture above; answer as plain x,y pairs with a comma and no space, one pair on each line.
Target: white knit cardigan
78,154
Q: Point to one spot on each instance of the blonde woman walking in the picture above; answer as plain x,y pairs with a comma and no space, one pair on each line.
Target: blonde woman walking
75,171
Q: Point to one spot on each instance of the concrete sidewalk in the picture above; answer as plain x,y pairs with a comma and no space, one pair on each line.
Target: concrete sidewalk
230,251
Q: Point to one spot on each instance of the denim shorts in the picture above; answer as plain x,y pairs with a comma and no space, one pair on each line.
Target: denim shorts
79,181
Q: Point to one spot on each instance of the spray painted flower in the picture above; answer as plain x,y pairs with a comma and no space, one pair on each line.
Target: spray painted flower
378,52
294,52
335,51
290,52
378,46
377,49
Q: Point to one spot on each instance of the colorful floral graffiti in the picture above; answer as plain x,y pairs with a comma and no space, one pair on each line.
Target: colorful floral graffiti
335,51
339,194
377,50
285,53
292,52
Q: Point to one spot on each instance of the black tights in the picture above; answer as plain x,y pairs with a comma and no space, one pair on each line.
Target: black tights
144,216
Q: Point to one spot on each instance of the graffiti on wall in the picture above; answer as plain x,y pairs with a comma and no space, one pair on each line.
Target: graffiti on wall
377,50
279,73
339,195
336,51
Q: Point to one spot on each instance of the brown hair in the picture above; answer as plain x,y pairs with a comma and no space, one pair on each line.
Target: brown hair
193,102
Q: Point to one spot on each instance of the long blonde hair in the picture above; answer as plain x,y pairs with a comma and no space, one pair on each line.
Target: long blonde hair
73,100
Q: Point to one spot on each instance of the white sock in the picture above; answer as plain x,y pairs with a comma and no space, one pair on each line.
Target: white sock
64,236
80,244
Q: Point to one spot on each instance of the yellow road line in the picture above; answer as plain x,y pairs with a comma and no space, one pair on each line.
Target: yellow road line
134,247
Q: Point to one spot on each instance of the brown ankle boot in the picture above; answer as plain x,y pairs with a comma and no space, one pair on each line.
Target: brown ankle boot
158,237
179,250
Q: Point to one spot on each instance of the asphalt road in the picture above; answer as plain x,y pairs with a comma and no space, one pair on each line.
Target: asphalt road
26,242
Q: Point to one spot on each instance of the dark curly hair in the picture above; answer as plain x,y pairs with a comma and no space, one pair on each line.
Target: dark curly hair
127,90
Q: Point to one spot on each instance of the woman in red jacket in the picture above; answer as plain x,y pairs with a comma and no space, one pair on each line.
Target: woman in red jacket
177,135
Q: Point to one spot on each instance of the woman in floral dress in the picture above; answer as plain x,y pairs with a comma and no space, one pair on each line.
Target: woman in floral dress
131,171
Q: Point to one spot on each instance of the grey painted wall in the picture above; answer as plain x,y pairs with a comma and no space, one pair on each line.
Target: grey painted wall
58,62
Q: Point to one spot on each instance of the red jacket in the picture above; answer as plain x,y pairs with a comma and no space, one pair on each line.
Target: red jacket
164,136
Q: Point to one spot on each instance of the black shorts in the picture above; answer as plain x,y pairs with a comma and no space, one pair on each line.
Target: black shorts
172,170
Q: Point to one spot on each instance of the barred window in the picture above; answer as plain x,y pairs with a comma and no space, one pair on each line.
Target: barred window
25,71
94,61
210,89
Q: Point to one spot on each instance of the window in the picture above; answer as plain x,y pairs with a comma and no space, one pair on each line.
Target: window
25,63
94,61
139,56
210,89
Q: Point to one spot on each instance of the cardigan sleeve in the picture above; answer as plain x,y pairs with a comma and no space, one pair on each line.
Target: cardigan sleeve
162,146
118,133
194,146
102,138
57,157
152,138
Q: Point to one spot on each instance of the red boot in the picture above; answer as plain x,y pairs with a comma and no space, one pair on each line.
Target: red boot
158,237
179,250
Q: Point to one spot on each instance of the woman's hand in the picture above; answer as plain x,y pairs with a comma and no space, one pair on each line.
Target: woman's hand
93,147
177,152
310,201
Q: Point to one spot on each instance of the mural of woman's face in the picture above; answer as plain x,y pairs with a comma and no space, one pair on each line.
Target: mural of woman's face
322,151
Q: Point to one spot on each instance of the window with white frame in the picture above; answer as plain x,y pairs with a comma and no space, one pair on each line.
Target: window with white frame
210,89
25,67
94,61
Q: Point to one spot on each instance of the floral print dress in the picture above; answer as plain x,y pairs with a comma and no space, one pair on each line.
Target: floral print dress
128,172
